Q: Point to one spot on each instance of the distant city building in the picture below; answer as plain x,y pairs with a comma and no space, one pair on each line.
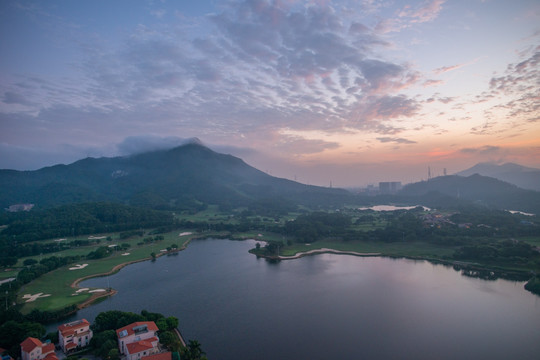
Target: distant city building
74,335
390,187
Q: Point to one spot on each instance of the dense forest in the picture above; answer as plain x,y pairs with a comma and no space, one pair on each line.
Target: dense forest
23,230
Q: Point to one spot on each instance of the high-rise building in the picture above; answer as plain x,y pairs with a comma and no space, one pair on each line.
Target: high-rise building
390,187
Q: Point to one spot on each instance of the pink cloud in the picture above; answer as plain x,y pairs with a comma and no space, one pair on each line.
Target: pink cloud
445,69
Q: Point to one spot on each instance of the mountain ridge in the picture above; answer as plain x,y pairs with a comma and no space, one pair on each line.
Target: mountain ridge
519,175
189,173
478,189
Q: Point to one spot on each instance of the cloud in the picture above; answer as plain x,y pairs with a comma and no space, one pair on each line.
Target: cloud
386,107
257,67
395,140
437,97
410,15
445,69
15,98
428,11
432,82
295,145
483,150
518,88
145,143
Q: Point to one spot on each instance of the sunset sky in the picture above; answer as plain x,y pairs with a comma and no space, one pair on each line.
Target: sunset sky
348,92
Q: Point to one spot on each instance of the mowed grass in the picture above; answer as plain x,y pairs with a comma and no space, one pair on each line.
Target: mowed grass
398,249
58,282
533,240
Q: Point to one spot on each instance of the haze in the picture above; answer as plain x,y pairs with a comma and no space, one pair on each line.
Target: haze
348,92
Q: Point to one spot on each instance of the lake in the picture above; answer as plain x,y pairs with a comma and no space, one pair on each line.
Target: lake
327,306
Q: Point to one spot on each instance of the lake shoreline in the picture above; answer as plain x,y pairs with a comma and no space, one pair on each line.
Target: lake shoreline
467,269
485,272
110,291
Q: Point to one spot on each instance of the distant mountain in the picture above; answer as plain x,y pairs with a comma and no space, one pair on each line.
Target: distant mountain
185,176
522,176
479,189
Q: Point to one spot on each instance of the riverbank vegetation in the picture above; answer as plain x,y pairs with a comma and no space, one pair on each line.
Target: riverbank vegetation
467,236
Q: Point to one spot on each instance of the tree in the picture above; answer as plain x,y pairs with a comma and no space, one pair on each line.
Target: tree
8,261
29,262
101,337
12,333
115,319
193,351
113,354
172,323
170,340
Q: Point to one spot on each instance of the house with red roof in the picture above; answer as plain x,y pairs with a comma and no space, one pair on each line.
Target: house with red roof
74,335
162,356
34,349
138,340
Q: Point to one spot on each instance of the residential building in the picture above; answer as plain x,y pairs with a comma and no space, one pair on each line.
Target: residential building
162,356
74,335
34,349
143,348
138,340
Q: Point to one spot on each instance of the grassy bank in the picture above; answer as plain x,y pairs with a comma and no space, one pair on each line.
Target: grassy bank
60,284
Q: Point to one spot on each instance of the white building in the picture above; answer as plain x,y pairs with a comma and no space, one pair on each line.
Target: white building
74,335
138,340
33,349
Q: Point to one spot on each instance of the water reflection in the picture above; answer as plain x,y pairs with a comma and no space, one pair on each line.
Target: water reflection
328,306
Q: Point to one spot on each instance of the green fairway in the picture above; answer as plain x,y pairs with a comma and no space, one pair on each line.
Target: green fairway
58,282
417,249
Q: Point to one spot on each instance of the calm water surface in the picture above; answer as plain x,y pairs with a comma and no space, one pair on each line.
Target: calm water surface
327,306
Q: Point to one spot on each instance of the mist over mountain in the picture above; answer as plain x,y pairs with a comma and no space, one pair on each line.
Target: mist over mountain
522,176
186,175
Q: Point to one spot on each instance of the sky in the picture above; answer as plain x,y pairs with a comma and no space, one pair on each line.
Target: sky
347,93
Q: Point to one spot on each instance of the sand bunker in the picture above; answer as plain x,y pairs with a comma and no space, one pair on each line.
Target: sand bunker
113,245
91,237
34,297
185,233
58,240
125,254
78,267
86,289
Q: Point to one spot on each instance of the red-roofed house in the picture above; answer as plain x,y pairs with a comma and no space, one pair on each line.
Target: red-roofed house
140,349
138,340
74,335
163,356
33,349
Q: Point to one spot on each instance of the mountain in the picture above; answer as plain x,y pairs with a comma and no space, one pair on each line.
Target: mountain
479,189
184,176
522,176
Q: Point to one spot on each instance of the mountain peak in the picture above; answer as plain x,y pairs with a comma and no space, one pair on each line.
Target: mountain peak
519,175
